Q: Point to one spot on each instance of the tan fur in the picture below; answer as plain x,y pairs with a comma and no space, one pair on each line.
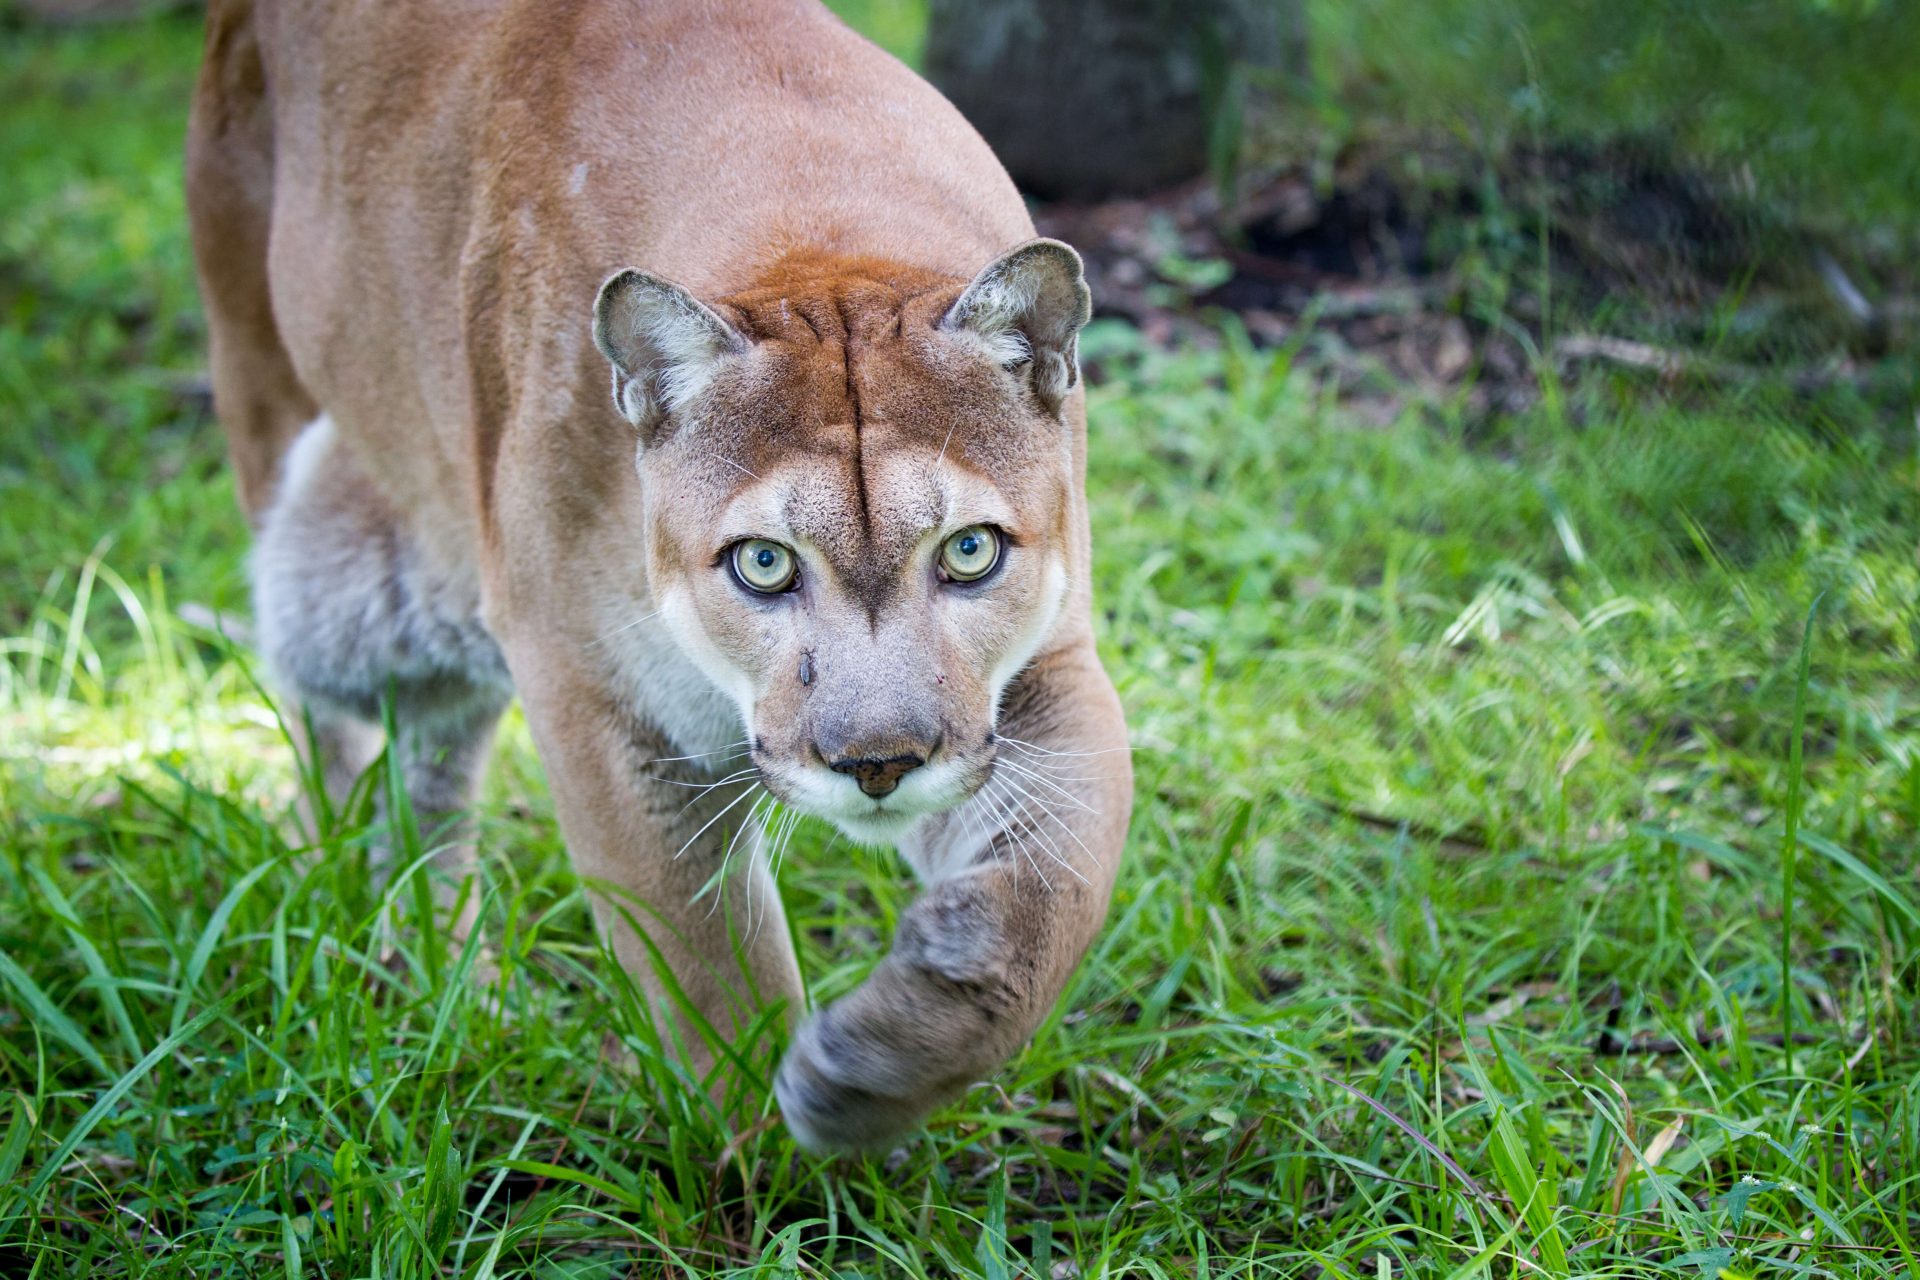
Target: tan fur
836,338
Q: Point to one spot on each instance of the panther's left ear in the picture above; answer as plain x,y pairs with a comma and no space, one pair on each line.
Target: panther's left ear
1028,305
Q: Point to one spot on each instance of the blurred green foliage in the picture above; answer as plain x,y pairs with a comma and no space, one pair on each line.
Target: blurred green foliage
898,26
1818,100
101,341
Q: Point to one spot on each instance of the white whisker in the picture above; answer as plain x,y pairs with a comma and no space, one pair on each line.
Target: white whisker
1059,822
715,818
726,859
766,850
965,830
702,789
792,826
737,780
1044,781
645,617
1056,771
702,755
783,833
1008,825
1034,748
735,776
970,812
944,442
1048,843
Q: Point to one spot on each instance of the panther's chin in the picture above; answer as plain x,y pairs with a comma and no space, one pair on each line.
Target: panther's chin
882,828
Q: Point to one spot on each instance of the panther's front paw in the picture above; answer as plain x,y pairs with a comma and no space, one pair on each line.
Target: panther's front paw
825,1087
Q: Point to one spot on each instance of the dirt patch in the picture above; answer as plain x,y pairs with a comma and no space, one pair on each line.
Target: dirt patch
1442,273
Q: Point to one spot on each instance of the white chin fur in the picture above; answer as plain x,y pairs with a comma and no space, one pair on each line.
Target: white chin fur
880,829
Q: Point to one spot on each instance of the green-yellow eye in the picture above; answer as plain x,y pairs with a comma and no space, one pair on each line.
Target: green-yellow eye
970,554
766,567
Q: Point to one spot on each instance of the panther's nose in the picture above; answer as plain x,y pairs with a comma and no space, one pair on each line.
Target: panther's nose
877,777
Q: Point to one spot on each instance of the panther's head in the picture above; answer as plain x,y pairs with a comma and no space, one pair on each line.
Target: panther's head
860,490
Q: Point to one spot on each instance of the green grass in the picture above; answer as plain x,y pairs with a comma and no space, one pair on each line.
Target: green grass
1816,102
1465,757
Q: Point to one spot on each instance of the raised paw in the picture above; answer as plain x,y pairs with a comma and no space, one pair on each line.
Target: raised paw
833,1090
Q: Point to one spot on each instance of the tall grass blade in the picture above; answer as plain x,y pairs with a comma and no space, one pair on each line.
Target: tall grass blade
1790,839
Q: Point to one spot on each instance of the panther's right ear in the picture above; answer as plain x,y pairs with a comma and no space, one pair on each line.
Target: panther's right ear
664,344
1029,305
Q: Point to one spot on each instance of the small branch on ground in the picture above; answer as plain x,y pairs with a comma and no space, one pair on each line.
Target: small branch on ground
1673,365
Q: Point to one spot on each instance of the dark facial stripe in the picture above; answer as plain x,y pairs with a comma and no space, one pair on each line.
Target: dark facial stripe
853,408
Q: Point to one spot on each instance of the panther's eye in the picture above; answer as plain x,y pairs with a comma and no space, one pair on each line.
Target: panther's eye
970,554
766,567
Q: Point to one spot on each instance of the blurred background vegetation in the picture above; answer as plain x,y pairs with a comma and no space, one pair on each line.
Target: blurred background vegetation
1816,102
1477,414
1811,103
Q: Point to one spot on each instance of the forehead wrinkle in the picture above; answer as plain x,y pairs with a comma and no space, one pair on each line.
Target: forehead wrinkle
867,557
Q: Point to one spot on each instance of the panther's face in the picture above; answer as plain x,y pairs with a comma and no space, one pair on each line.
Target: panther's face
858,498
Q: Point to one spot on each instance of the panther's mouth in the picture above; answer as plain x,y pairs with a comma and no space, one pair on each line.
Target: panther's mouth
869,819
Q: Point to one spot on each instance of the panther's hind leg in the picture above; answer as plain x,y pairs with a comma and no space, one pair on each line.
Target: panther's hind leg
337,746
352,620
442,756
257,394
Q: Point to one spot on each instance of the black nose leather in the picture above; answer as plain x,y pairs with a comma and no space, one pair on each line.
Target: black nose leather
878,777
